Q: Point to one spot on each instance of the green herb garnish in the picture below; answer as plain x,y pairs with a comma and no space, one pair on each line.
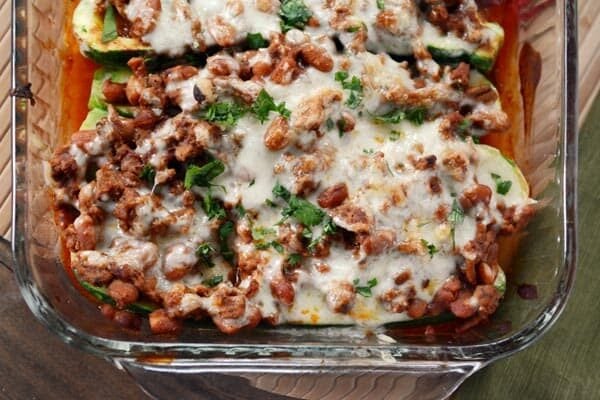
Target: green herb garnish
256,41
205,252
365,291
101,294
463,127
213,281
264,104
240,210
456,217
431,249
354,85
109,30
277,246
212,207
415,115
304,211
270,203
381,4
329,227
395,135
329,124
148,174
294,259
341,124
293,14
225,231
502,187
225,113
202,176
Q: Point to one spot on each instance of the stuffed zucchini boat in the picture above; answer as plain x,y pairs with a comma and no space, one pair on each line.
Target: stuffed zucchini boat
319,188
111,32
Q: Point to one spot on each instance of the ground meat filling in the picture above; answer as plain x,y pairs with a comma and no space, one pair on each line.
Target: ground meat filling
291,183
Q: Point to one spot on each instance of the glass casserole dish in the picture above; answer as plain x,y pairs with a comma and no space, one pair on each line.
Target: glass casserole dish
306,362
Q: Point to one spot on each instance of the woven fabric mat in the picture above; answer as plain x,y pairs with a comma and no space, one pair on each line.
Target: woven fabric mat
589,75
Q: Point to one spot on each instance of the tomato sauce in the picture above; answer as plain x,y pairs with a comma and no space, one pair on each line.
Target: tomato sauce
77,74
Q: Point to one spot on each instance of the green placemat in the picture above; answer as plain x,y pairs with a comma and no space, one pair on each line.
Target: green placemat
565,363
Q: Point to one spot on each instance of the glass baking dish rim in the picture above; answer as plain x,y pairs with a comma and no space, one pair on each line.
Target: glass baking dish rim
485,352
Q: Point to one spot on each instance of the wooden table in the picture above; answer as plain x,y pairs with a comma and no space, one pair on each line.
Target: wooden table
34,364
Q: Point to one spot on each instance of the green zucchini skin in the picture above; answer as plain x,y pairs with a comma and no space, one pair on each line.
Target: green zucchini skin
101,294
88,25
92,118
482,58
116,75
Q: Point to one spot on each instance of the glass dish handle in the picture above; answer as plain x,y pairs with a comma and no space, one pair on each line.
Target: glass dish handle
220,381
6,254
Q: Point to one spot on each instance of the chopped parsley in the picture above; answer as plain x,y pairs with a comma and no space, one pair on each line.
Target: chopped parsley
354,85
260,233
204,253
256,41
381,4
463,128
240,210
431,249
277,246
368,151
341,124
263,239
306,214
415,115
456,217
304,211
212,207
365,291
148,174
293,14
213,281
264,104
202,176
502,186
329,124
294,259
329,227
224,113
109,29
395,135
225,231
270,203
281,192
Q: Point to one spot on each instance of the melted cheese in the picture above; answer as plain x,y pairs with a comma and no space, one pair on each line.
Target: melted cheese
195,24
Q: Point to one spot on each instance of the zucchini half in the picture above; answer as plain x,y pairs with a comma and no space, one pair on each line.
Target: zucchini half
116,75
88,26
454,51
97,103
92,118
493,162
